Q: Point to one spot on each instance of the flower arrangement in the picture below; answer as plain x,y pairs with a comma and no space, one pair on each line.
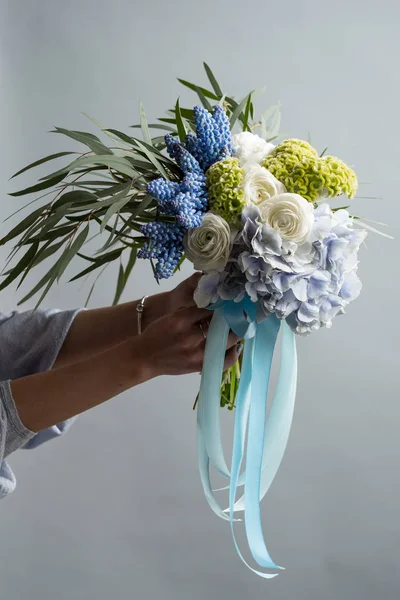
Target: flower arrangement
253,215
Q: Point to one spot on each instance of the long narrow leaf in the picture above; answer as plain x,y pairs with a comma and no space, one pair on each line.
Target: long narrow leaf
41,162
179,123
119,202
52,272
144,125
20,266
213,81
43,185
88,139
22,226
70,252
203,99
238,110
120,285
193,87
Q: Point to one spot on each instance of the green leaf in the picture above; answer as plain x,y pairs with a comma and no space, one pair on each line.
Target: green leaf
51,235
70,252
119,164
213,81
93,285
122,136
119,202
203,100
238,110
144,125
43,185
74,197
88,139
42,161
98,262
323,152
178,266
155,126
194,87
20,266
152,159
100,126
120,285
130,265
22,226
50,275
47,224
179,123
246,114
141,206
46,251
275,124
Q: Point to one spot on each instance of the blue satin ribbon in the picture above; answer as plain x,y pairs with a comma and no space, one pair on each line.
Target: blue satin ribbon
266,438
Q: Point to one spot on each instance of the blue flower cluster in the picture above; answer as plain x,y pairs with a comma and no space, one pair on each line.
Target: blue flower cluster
186,200
308,285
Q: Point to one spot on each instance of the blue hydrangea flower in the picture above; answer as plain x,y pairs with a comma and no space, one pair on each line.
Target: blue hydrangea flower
307,285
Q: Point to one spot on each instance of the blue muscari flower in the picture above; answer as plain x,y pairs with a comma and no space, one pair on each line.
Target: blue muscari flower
165,244
186,200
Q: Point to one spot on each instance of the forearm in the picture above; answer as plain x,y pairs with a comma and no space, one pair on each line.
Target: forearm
96,330
44,399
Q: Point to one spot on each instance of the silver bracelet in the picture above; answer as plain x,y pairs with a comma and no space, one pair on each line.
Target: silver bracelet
139,310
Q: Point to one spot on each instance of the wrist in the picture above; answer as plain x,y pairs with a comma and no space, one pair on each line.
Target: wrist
138,361
155,307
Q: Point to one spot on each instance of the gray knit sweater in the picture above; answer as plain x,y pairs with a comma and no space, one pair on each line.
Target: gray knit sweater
29,343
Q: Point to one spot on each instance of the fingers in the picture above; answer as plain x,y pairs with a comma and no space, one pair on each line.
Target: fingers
232,355
193,314
232,339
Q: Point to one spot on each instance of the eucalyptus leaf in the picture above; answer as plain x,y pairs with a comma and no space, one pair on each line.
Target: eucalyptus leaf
42,185
130,265
153,159
155,126
203,99
70,252
144,125
120,285
100,261
247,114
213,81
49,275
238,110
22,226
41,162
118,203
114,162
179,123
20,266
88,139
193,87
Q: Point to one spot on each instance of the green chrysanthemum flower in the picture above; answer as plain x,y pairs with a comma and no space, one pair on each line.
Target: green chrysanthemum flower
297,165
225,193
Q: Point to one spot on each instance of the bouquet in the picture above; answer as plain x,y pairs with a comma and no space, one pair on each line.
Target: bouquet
255,216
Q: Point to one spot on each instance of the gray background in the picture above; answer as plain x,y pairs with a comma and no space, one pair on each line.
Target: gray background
115,508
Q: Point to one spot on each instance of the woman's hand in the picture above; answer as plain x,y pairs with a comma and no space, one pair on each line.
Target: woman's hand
162,304
175,344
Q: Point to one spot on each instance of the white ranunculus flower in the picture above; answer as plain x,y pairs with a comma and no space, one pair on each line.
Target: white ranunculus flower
290,214
208,246
259,184
250,147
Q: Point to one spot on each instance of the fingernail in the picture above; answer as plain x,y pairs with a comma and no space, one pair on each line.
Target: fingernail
239,348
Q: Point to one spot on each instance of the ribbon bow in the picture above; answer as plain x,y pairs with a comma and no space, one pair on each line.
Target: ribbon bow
266,438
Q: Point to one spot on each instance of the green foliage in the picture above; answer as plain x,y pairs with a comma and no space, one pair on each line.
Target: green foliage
104,191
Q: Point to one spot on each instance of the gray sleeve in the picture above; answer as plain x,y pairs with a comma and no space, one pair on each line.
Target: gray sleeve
29,343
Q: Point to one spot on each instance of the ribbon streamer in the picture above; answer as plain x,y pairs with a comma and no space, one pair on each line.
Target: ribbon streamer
266,438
